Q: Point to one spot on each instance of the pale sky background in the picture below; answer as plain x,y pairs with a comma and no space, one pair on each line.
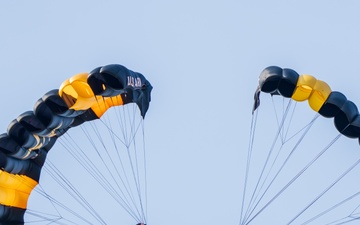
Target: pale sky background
203,59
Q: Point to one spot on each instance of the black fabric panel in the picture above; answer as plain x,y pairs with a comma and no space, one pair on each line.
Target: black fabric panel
96,81
256,99
114,79
28,167
11,215
353,130
333,104
21,135
270,78
50,119
25,139
3,159
58,106
8,145
30,122
288,83
345,116
142,100
49,144
276,81
86,116
109,80
39,160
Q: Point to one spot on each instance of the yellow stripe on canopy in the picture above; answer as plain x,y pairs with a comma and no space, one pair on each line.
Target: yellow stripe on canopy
320,93
15,189
304,88
104,103
77,93
311,89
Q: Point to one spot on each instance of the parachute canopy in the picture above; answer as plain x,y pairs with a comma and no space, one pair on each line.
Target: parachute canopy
331,104
292,158
29,137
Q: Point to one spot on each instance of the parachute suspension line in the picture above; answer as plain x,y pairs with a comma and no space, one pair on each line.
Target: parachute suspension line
353,218
326,190
117,150
296,177
285,110
125,203
145,175
287,158
136,174
257,198
352,214
345,222
55,202
332,208
43,218
124,200
276,114
121,119
249,156
137,180
265,164
290,122
305,127
286,133
128,129
113,174
67,185
127,121
90,167
42,215
71,190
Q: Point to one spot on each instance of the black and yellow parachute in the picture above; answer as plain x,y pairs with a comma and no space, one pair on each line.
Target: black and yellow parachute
284,161
328,103
29,137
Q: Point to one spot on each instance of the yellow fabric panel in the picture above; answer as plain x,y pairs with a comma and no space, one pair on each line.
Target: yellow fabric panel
83,103
104,103
11,197
79,83
68,87
304,87
320,93
78,88
15,189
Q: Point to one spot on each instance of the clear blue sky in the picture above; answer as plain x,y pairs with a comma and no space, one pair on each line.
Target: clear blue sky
203,59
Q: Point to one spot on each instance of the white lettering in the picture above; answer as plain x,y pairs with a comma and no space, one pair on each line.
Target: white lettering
134,82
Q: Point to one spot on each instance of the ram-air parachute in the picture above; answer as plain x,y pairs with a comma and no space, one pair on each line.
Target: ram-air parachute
289,84
29,137
295,173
